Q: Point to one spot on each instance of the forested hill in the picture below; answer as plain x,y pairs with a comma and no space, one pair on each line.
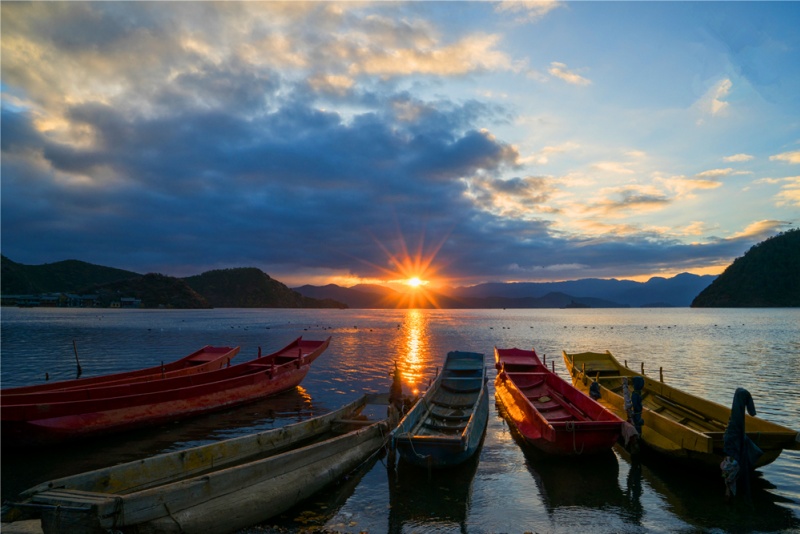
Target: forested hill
153,290
248,287
765,277
228,288
65,276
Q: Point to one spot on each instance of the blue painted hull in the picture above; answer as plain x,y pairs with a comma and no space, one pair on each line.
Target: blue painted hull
446,427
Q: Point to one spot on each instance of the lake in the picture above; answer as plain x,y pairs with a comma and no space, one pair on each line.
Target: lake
508,488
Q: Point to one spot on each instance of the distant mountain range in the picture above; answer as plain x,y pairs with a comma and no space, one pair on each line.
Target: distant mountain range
678,291
766,276
252,288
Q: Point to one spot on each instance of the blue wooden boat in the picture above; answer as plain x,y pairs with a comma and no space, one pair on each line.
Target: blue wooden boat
446,426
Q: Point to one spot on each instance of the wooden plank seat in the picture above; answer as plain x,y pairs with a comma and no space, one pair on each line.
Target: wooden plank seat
461,389
444,428
559,418
450,417
452,406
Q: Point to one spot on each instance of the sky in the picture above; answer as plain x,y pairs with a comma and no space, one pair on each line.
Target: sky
452,142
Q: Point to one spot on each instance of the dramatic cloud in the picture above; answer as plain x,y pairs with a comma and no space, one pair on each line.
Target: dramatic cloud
761,229
517,198
684,187
616,202
319,140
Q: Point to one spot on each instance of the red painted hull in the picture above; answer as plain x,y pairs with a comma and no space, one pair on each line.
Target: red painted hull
135,405
548,412
206,359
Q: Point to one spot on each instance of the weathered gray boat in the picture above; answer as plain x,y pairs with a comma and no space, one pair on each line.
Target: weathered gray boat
214,488
446,427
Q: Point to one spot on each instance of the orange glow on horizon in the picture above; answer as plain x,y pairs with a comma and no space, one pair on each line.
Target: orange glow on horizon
415,278
409,273
702,271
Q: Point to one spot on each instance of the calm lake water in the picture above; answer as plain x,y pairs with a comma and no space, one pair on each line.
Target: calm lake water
508,488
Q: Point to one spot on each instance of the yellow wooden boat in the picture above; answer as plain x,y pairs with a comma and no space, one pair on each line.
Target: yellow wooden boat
676,423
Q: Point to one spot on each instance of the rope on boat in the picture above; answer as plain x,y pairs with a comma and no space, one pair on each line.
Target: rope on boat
385,448
570,426
119,514
169,513
418,455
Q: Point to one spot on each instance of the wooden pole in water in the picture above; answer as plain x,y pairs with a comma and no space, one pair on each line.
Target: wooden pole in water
75,350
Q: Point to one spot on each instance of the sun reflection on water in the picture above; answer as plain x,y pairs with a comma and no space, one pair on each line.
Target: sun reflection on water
417,355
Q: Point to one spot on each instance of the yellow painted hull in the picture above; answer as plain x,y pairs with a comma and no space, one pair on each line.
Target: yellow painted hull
676,423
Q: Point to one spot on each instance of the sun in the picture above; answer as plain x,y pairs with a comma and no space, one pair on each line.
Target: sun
410,274
415,282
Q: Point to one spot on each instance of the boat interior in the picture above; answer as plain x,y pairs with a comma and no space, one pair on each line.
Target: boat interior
541,393
452,405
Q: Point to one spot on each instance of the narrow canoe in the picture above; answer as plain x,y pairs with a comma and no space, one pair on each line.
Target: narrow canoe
216,488
206,359
676,423
446,426
99,410
547,411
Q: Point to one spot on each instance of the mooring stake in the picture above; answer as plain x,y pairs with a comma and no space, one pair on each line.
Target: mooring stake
75,349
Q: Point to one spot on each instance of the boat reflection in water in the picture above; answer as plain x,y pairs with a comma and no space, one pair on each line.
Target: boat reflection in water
695,497
590,481
323,510
423,500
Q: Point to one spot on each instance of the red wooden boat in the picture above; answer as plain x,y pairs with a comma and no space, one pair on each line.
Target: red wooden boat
206,359
549,412
99,410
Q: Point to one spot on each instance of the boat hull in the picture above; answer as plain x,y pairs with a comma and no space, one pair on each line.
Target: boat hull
548,412
216,488
439,452
306,473
156,402
677,425
206,359
446,427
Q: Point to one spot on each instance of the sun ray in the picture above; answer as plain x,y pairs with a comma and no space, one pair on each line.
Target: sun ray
410,273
